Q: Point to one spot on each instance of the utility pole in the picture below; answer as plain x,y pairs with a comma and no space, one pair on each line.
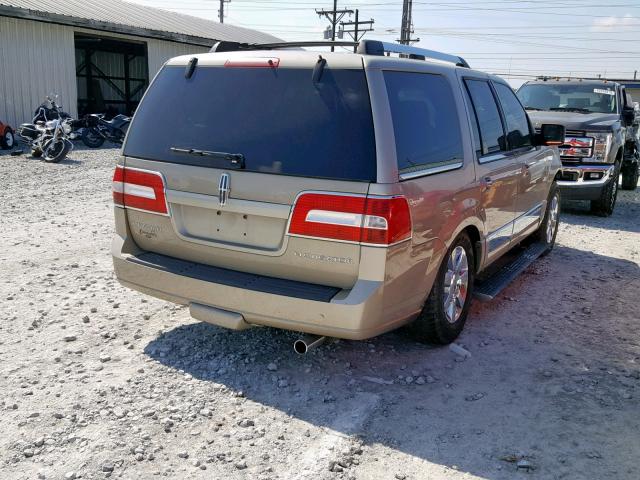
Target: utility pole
407,24
357,33
334,16
221,10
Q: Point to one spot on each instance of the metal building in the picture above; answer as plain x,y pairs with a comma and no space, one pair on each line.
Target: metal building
97,55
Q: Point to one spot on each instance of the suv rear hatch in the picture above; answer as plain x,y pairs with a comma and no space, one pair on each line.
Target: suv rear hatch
221,149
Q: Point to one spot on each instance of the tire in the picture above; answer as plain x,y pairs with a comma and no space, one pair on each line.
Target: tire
8,140
56,153
630,177
548,230
435,324
606,203
91,138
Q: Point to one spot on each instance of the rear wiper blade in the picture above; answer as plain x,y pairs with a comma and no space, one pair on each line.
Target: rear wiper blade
527,107
236,159
570,109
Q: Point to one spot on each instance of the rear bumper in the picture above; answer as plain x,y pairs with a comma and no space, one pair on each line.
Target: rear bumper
239,302
577,184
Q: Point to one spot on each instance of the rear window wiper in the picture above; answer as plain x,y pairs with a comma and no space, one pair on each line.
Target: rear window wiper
235,159
527,107
570,109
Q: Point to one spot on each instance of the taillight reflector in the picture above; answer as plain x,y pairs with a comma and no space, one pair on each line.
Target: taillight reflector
139,189
246,62
368,220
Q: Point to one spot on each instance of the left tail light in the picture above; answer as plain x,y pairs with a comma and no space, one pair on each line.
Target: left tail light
139,190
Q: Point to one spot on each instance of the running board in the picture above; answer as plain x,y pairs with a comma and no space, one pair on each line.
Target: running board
487,288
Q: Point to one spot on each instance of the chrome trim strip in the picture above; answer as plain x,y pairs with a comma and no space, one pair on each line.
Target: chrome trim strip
430,171
527,219
491,157
497,238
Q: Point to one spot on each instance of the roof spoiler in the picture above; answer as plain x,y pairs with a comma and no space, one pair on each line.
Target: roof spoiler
364,47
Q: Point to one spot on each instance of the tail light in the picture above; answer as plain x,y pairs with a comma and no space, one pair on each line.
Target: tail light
140,190
367,220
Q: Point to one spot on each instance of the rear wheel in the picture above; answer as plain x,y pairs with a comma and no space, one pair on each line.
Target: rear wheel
92,138
445,311
606,203
8,140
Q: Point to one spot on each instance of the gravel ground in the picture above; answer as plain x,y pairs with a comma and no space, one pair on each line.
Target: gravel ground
98,381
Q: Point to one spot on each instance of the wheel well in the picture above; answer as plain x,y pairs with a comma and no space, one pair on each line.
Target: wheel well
474,235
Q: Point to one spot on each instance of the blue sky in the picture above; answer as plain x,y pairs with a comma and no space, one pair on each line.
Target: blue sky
517,39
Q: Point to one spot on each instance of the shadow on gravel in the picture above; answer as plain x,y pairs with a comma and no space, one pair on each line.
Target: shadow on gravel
469,415
626,216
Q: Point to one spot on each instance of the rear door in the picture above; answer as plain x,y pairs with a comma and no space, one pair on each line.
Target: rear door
496,170
236,145
533,184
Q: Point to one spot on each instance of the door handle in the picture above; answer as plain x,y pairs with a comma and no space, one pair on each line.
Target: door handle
487,182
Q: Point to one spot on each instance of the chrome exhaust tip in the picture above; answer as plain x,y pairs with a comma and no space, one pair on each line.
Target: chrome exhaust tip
306,343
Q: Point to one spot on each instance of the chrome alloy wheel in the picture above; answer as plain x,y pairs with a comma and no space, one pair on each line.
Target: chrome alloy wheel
552,221
456,283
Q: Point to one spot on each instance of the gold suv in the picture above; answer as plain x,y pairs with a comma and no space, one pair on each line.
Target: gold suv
336,194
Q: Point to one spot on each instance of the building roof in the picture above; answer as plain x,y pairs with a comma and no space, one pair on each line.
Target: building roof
132,19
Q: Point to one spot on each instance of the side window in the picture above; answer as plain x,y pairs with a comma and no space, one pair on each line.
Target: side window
518,135
488,116
425,121
477,143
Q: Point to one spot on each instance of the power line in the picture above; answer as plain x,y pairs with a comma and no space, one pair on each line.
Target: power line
334,16
221,10
406,29
357,33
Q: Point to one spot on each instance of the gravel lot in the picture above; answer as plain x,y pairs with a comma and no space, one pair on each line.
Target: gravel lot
97,380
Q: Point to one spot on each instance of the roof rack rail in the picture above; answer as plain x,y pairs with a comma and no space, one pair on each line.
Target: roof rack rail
364,47
376,47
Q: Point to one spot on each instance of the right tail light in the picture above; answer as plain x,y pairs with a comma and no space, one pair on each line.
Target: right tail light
368,220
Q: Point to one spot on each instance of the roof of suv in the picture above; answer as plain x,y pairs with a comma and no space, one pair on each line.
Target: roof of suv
292,55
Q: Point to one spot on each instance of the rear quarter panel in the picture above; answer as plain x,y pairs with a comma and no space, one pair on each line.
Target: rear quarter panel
441,204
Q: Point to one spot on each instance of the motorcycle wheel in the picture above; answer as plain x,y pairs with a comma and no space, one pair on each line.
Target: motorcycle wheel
55,153
91,138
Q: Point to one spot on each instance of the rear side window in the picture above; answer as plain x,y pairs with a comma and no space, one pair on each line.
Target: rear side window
425,121
518,135
488,116
278,119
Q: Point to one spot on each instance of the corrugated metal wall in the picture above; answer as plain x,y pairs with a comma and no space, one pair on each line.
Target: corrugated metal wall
160,51
38,58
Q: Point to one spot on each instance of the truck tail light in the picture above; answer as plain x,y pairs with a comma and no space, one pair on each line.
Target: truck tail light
140,190
360,219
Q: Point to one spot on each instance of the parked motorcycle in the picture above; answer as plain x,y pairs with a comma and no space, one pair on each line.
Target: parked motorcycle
48,135
97,130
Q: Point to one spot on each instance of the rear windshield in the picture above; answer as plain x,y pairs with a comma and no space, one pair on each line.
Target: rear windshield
278,119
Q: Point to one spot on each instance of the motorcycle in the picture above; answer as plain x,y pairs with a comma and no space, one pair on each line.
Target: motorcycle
97,130
49,133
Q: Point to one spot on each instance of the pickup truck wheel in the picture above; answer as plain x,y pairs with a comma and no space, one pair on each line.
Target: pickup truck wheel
630,176
445,311
606,203
548,230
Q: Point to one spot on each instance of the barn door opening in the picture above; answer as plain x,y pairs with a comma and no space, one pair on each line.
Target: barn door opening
111,74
